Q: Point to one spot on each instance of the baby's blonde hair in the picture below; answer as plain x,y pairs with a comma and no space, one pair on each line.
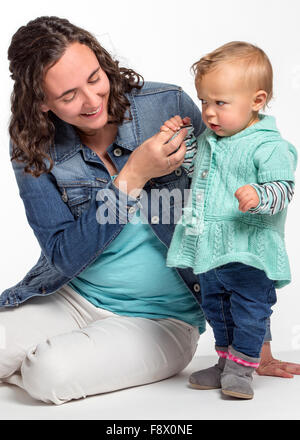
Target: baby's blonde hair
258,68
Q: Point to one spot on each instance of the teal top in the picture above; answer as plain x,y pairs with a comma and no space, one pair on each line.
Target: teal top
131,278
212,231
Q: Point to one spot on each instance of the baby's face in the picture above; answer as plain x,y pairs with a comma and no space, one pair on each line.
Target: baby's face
227,104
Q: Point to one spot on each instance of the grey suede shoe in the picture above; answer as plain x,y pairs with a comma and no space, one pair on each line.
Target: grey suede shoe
236,378
210,378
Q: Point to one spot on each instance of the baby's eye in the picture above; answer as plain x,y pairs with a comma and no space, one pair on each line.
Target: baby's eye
220,103
203,101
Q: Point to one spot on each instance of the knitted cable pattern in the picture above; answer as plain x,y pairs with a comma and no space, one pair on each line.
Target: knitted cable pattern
216,232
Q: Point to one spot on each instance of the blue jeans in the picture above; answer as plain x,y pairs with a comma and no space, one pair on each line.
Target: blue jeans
237,301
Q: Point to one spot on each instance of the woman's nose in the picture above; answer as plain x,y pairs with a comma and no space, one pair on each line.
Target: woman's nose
90,99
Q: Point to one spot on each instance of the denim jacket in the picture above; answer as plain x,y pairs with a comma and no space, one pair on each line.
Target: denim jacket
61,206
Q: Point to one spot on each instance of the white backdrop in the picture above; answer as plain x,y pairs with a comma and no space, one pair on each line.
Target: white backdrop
161,39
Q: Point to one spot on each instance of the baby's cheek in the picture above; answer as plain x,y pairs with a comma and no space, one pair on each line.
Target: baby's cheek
230,121
232,124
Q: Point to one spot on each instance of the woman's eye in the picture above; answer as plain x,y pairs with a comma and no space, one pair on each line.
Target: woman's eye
70,98
220,103
94,80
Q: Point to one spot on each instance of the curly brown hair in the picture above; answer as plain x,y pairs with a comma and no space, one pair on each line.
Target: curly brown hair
35,47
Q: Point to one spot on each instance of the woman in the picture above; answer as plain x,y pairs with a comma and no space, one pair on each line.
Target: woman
90,176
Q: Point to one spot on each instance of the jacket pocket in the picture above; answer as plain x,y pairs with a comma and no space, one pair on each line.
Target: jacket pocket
77,197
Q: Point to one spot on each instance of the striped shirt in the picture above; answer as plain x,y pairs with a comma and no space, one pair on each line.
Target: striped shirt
273,196
191,149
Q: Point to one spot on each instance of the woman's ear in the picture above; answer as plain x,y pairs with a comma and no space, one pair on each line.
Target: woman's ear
259,100
44,108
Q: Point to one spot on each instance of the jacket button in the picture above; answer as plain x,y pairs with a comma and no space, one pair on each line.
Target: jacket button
196,287
204,174
117,152
64,196
155,220
178,172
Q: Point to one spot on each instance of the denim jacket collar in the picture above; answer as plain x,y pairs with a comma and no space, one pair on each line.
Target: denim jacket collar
67,141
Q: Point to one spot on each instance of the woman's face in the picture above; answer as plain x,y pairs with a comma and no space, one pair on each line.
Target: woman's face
77,89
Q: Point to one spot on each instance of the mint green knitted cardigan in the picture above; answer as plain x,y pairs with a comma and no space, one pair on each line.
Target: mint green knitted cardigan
212,231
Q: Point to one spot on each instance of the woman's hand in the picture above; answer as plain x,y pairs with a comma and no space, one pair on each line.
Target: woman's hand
274,367
155,157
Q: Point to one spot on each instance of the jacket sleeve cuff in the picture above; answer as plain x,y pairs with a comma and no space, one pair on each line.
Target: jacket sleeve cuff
121,205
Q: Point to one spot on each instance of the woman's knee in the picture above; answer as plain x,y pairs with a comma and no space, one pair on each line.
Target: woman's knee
41,374
47,375
10,361
12,352
16,337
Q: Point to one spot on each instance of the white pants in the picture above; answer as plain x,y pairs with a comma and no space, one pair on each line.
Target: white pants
61,347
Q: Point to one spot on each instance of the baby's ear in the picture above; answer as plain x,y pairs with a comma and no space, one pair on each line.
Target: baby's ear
259,100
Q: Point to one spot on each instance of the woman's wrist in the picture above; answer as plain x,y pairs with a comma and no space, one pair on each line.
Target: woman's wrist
266,353
130,182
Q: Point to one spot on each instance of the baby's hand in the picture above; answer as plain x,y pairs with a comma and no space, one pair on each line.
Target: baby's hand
175,123
247,197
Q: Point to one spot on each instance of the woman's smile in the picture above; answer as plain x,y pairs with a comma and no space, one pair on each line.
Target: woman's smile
93,114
